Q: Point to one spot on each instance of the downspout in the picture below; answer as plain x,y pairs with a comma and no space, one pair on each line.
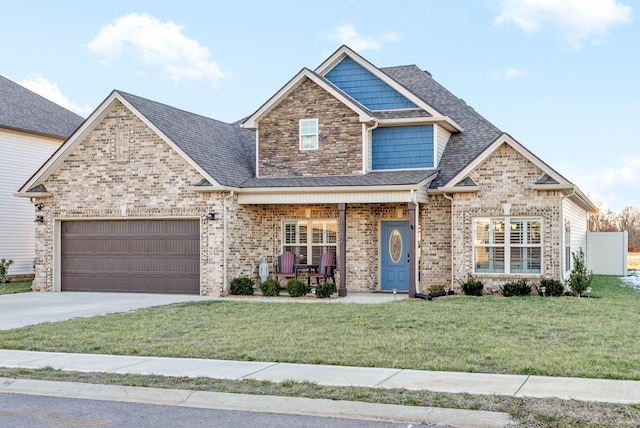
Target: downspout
365,147
452,275
225,249
563,268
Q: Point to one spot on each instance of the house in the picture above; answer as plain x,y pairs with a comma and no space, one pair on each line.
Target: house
400,179
31,129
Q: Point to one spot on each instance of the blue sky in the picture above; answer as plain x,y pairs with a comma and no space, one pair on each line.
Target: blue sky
560,76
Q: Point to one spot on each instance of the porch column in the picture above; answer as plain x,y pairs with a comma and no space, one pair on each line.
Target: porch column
342,248
412,249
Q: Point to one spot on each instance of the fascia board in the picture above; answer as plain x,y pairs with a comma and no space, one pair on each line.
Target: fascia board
32,194
333,189
458,189
445,121
345,51
505,139
252,121
210,189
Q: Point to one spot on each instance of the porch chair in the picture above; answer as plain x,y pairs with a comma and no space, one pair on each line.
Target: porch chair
285,268
325,270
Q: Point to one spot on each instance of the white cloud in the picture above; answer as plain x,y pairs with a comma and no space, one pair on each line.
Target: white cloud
158,44
41,86
616,186
513,73
347,35
577,20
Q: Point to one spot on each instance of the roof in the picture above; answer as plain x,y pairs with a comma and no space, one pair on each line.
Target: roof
25,111
463,147
225,151
376,178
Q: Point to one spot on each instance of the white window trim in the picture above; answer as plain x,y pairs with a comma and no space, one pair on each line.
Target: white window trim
508,246
309,244
301,134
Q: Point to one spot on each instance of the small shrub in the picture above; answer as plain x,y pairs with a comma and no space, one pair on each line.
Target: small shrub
437,288
579,278
325,289
520,287
4,269
296,288
472,286
553,287
242,286
270,287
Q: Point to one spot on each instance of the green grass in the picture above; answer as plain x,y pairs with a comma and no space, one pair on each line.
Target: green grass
15,287
595,337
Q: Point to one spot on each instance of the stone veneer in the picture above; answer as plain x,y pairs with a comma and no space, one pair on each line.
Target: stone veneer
340,136
505,177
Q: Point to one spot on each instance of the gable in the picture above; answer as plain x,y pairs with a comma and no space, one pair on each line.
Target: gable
370,91
506,170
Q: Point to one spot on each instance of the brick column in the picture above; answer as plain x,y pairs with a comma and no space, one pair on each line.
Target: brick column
342,248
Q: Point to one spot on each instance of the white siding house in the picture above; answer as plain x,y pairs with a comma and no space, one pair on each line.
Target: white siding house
31,129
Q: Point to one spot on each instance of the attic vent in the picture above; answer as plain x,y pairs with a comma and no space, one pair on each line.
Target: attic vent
466,182
203,182
545,179
430,75
38,189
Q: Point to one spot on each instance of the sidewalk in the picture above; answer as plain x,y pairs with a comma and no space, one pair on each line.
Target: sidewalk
602,390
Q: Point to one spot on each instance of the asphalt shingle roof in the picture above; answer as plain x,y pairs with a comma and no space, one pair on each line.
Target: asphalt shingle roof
376,178
463,147
25,111
225,151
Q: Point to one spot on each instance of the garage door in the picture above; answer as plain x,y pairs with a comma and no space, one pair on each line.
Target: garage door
142,256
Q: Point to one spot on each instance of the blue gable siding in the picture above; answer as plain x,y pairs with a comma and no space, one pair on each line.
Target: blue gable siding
402,147
366,88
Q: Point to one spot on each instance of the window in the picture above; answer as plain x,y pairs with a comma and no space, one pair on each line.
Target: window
308,134
309,239
508,245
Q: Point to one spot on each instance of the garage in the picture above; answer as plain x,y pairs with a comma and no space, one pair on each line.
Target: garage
137,256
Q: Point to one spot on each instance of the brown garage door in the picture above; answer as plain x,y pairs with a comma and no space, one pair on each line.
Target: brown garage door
142,256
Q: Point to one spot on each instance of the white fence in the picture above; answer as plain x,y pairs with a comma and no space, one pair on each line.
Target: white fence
607,253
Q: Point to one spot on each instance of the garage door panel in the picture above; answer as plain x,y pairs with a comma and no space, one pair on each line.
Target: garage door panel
156,256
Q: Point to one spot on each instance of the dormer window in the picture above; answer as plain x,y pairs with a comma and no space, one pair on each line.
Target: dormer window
308,134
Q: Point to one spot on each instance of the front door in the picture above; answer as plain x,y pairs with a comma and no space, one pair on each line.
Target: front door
394,262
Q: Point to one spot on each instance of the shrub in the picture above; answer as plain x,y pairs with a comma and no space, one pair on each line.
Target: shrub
325,289
553,287
520,287
472,286
270,287
4,269
437,288
242,286
296,288
579,279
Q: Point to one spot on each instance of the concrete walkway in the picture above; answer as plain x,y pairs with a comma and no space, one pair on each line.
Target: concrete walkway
610,391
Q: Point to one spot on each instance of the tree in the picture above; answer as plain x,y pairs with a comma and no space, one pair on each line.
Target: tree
579,279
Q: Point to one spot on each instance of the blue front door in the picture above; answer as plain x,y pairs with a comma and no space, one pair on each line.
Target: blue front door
394,262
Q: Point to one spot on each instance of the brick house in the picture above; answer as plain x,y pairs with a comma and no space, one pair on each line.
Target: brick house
407,185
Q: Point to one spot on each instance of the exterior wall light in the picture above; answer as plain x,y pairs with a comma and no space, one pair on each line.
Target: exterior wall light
211,216
39,207
39,219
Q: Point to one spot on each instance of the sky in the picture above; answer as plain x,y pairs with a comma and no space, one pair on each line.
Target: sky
560,76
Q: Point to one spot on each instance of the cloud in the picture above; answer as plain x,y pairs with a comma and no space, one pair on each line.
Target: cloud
347,35
513,73
41,86
577,20
157,44
617,186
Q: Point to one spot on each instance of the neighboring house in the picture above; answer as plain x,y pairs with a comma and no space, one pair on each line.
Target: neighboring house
404,182
31,129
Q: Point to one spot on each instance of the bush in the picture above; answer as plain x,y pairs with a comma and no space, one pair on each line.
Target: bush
296,288
242,286
579,279
520,287
437,288
270,287
553,287
472,286
325,289
4,269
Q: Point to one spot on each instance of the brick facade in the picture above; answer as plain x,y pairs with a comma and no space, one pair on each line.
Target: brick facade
340,136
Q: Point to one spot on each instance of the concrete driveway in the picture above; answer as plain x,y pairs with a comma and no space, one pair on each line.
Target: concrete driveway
22,309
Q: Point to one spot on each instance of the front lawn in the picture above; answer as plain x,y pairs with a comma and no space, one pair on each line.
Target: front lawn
15,287
587,337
